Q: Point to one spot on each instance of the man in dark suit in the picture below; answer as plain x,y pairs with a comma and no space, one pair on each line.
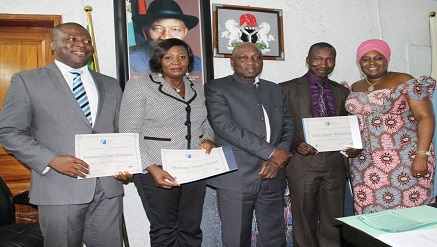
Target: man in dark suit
252,116
317,180
38,124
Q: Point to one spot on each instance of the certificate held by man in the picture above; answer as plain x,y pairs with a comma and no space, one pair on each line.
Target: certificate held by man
108,154
332,133
191,165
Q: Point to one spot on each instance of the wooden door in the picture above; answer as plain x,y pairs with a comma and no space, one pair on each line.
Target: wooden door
24,45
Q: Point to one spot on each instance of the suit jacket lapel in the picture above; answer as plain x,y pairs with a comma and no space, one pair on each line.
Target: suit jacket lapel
189,91
64,90
168,91
336,95
100,92
305,95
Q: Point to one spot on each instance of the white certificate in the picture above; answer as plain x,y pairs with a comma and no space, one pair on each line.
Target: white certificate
192,165
332,133
108,154
425,237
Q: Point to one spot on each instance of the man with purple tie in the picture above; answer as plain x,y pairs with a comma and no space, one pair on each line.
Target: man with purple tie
316,180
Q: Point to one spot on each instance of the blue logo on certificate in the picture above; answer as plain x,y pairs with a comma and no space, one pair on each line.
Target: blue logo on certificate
327,123
188,156
103,141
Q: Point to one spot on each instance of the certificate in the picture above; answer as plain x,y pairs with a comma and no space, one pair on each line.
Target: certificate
192,165
332,133
108,154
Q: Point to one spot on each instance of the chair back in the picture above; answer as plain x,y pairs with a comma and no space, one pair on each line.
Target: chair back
7,207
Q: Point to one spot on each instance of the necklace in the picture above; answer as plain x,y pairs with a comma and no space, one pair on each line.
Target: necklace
372,85
177,88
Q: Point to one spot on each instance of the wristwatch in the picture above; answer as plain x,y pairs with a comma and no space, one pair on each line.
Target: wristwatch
427,153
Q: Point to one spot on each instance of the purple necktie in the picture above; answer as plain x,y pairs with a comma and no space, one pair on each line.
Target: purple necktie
324,110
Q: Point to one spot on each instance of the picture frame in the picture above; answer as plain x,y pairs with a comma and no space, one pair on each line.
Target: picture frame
198,37
234,24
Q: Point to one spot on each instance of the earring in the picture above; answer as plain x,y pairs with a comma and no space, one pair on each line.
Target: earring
160,74
187,74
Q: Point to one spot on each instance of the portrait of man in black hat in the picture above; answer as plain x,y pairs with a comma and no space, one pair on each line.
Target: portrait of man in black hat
164,19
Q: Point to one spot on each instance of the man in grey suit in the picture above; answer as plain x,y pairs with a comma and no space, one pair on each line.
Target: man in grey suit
252,116
317,180
38,124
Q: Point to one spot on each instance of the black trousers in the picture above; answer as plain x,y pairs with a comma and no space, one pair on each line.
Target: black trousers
174,214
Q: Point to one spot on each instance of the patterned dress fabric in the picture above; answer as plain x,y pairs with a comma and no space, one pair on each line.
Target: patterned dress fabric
381,175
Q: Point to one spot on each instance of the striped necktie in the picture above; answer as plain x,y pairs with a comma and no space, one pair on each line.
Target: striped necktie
323,104
80,94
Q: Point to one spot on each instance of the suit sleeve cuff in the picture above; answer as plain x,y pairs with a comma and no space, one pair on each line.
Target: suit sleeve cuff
45,171
272,153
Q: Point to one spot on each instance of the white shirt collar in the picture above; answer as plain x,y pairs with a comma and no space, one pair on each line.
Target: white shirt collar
65,68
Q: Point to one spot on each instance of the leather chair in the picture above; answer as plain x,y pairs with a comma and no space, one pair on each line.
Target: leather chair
12,234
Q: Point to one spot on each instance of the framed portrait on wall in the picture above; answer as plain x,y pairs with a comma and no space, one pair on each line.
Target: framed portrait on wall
236,24
146,22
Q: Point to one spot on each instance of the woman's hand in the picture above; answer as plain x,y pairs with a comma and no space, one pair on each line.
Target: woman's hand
420,166
207,144
162,178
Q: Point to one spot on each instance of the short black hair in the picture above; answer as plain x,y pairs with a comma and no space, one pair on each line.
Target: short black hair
322,45
58,29
163,47
245,43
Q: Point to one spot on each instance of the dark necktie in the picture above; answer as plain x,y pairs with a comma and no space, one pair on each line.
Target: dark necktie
324,109
80,94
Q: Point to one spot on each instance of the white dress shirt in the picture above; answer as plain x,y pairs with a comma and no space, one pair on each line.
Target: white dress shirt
266,117
88,83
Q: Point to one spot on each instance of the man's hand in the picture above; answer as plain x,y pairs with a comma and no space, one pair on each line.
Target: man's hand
123,176
162,178
269,170
304,148
280,158
70,166
352,152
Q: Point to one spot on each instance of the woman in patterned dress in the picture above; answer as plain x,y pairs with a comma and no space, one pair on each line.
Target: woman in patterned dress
396,168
